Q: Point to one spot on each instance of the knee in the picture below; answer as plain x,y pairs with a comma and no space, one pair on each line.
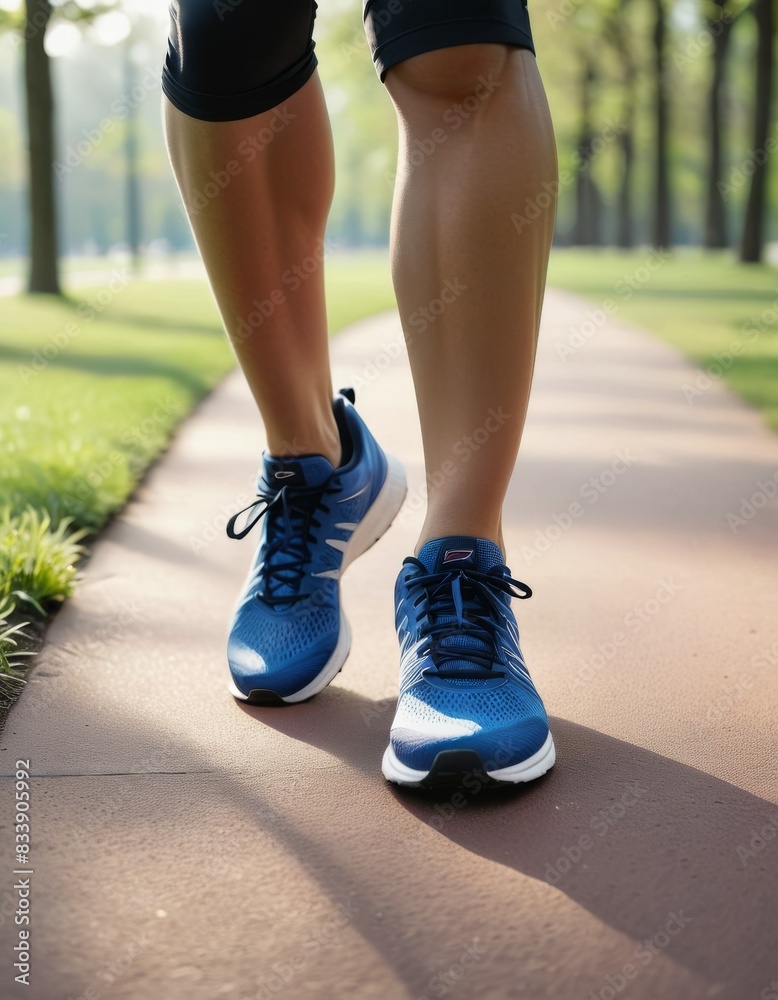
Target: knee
450,75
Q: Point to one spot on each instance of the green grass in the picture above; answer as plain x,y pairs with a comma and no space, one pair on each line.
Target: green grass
358,285
91,388
718,312
37,560
10,663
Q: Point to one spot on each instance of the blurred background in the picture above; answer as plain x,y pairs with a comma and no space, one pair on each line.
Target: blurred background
662,112
665,121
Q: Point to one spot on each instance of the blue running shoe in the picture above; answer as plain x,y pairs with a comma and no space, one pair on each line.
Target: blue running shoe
289,637
467,703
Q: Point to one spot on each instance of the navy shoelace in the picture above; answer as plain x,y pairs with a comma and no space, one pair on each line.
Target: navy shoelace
464,603
291,520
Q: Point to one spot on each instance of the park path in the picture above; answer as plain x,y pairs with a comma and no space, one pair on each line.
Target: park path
184,846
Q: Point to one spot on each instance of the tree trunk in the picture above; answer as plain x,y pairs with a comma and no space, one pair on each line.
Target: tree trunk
715,215
43,269
618,31
588,202
624,236
661,222
752,244
133,201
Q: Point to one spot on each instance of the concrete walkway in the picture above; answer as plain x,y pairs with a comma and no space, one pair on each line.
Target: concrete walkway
184,846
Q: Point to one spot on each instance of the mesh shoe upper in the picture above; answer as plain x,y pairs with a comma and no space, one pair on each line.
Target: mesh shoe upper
288,620
463,681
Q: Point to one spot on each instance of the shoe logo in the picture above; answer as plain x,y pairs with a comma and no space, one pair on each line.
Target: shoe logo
354,495
455,555
284,475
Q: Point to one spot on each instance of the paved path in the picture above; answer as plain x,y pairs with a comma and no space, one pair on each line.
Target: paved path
186,847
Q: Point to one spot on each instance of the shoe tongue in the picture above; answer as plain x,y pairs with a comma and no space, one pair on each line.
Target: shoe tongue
452,553
460,552
302,470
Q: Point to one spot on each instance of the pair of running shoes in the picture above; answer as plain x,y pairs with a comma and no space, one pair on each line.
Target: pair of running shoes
467,704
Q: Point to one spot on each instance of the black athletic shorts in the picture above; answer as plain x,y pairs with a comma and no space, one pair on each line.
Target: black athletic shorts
231,59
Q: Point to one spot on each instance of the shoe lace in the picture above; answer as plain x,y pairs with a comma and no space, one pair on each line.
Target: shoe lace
463,616
291,520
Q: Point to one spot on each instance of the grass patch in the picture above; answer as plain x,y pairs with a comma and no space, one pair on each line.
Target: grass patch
11,664
37,561
358,285
715,310
92,387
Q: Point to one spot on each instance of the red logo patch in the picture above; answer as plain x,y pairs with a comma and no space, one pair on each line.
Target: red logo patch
454,555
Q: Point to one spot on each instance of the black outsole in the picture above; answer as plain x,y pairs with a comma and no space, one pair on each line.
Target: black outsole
451,767
260,697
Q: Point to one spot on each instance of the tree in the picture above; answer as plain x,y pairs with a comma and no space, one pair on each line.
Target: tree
619,32
719,20
661,229
43,273
588,201
752,243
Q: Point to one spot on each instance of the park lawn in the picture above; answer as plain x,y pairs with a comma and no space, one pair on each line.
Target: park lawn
91,389
359,284
718,312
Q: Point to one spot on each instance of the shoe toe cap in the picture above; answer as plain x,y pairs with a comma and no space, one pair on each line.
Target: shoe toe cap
501,738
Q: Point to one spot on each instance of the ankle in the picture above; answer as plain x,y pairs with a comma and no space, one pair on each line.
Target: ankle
323,438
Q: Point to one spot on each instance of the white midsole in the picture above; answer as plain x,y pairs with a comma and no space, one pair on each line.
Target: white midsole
382,512
527,770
